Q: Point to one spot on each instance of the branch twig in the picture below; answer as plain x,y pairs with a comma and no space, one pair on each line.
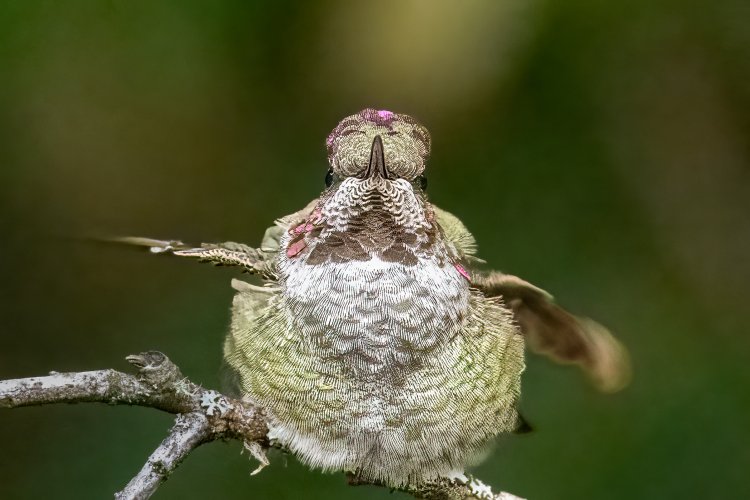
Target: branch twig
202,416
189,432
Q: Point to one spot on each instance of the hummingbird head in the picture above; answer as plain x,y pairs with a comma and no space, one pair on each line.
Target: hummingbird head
405,145
374,206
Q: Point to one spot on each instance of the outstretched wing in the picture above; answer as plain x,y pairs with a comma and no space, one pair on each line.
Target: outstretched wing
261,261
551,330
252,260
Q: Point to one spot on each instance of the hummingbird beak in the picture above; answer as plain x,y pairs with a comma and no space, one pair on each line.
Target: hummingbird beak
377,160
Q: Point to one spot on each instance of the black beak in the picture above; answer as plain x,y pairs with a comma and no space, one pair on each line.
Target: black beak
377,160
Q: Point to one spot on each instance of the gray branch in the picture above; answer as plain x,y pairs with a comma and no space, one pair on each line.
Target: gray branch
189,431
203,415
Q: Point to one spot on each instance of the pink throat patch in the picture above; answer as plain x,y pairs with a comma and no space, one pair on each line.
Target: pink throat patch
298,243
463,272
295,247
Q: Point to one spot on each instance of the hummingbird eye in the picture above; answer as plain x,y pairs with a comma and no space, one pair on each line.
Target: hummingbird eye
329,177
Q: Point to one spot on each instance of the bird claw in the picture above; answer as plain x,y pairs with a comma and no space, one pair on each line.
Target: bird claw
258,453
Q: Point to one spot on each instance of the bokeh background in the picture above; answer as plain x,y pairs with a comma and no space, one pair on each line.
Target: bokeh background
598,149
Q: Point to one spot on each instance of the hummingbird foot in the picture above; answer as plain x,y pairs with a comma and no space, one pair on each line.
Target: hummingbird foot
258,452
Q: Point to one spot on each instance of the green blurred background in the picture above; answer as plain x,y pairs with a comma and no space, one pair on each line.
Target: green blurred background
598,149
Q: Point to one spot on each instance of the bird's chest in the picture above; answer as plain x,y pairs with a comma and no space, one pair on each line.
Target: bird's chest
373,318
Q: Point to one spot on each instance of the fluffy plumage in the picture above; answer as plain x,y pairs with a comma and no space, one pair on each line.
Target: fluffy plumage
373,353
401,373
372,345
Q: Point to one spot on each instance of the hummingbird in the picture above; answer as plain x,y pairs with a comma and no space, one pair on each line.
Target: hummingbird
375,341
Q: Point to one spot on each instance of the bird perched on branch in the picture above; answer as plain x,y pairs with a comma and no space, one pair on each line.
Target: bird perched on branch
373,343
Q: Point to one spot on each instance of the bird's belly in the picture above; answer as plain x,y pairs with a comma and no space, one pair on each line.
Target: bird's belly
376,368
376,319
380,336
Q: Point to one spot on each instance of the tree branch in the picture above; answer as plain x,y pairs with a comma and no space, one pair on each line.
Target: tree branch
202,416
189,432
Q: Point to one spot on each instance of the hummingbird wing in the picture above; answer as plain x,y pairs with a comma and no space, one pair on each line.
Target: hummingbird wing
229,253
261,261
551,330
